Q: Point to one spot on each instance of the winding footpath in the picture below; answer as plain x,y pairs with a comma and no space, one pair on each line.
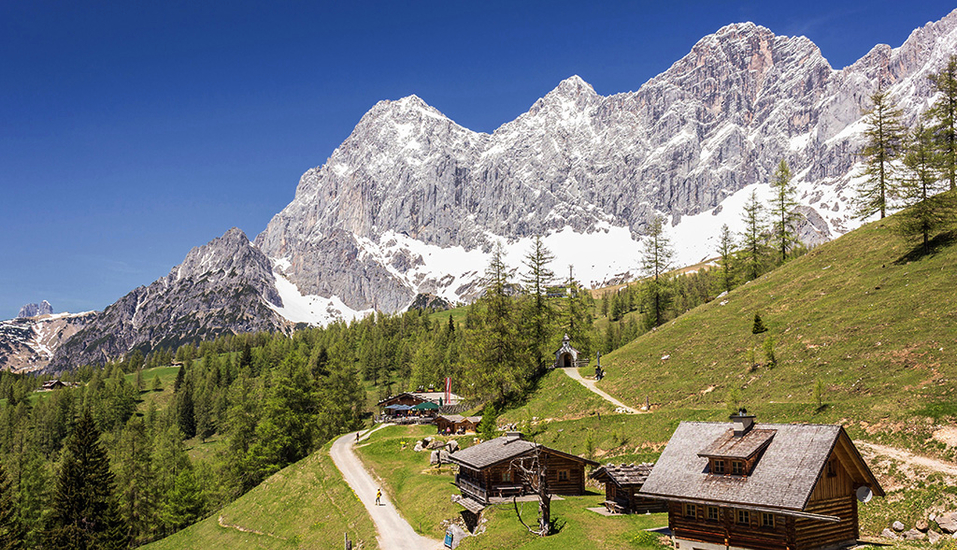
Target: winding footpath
573,373
394,533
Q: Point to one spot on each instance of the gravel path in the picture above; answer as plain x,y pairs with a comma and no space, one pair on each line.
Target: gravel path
908,457
394,533
572,372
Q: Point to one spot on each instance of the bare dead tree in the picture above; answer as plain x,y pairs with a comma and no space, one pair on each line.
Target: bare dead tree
531,471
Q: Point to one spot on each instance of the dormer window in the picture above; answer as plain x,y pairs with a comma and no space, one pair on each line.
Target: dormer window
737,451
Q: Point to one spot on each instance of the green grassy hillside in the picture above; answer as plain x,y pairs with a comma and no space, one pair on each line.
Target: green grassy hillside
874,323
306,505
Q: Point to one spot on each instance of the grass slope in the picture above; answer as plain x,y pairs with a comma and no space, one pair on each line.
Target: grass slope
422,494
307,505
878,330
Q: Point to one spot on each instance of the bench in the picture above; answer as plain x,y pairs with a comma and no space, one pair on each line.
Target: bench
614,507
504,490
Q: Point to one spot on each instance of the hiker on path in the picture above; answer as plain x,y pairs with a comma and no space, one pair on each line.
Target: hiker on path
357,437
378,497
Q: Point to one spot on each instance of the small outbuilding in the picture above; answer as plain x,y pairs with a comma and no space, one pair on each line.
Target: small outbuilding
743,485
566,356
622,483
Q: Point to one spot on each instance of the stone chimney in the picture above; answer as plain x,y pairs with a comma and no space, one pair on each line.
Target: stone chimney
742,422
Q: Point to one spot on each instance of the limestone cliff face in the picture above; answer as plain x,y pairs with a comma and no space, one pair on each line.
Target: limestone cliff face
719,120
221,287
411,202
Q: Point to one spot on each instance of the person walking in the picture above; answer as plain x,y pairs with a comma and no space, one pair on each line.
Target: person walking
378,497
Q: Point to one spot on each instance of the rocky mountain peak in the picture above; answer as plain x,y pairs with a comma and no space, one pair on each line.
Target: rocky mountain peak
35,310
570,96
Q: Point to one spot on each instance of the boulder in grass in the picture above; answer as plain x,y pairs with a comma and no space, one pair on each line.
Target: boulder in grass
888,534
933,536
452,445
922,525
418,447
948,522
913,534
897,526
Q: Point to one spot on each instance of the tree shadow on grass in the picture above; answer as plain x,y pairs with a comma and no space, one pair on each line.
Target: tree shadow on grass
557,525
934,247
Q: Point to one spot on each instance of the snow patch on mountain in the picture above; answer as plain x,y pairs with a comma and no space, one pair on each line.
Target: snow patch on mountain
312,310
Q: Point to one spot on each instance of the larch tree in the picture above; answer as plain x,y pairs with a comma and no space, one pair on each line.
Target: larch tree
656,262
925,212
885,143
943,125
539,314
753,235
782,209
12,532
726,250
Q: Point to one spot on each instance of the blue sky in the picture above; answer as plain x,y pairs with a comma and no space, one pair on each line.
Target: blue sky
131,132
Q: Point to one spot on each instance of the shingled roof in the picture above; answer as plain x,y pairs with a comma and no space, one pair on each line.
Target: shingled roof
781,480
729,446
492,452
623,475
504,448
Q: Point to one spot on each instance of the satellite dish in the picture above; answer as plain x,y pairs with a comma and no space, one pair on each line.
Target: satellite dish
864,494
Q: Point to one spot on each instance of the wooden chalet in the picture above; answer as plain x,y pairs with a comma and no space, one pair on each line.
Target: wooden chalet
417,398
622,483
762,487
457,424
486,470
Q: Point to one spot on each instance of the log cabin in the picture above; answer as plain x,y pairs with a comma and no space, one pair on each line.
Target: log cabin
622,484
761,486
486,470
457,424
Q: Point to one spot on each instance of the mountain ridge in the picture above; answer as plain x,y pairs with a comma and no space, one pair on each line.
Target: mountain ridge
412,202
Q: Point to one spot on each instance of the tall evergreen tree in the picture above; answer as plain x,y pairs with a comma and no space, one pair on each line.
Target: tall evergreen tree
84,513
494,365
885,143
185,502
12,532
539,314
943,115
926,212
782,208
655,263
726,249
753,235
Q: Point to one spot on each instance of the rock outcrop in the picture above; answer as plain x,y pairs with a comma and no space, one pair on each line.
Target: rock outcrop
222,287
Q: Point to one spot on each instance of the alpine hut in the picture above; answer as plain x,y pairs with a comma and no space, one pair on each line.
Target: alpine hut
761,486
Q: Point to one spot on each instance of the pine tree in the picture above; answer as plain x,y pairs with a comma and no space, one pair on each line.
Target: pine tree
758,326
185,502
885,143
726,249
782,208
12,532
84,513
753,236
538,313
135,479
943,114
655,263
925,211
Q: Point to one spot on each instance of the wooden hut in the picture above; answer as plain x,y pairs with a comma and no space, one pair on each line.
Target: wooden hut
457,424
622,483
761,487
486,469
